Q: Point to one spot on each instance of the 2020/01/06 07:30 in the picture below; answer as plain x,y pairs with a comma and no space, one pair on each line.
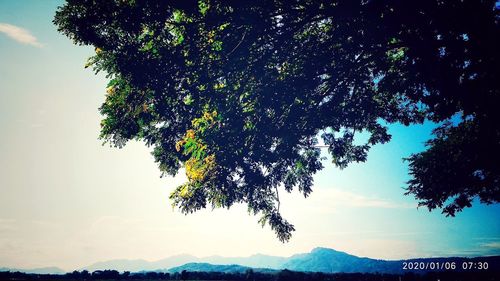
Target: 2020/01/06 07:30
444,265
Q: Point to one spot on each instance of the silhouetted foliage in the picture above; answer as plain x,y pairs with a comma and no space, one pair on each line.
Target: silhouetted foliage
184,275
250,275
259,276
240,92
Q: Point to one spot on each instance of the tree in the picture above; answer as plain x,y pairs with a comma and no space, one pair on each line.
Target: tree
240,93
184,275
249,274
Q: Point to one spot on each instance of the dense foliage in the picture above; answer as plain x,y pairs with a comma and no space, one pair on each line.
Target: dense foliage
240,93
252,276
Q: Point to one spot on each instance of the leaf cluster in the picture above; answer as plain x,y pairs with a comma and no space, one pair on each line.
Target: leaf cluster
286,76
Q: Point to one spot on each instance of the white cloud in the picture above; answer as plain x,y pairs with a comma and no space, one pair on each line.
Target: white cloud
19,34
357,200
495,238
6,224
328,197
491,245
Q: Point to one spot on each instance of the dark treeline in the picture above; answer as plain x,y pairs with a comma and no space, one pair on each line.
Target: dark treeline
254,276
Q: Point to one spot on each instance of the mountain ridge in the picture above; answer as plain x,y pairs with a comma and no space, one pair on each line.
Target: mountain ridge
319,259
39,270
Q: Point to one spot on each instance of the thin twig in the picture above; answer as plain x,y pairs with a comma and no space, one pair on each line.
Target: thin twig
237,45
277,197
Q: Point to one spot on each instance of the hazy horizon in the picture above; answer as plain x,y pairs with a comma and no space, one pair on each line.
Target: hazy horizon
68,201
202,259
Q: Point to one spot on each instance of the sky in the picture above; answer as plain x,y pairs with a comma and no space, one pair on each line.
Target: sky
66,200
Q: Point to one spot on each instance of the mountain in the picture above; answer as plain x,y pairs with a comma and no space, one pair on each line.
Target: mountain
254,261
207,267
41,270
318,260
141,265
226,268
120,265
331,261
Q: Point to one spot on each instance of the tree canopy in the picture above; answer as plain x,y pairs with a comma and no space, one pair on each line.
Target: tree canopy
240,93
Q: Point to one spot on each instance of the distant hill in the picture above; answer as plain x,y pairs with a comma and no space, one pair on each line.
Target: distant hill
318,260
332,261
141,265
207,267
255,261
42,270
